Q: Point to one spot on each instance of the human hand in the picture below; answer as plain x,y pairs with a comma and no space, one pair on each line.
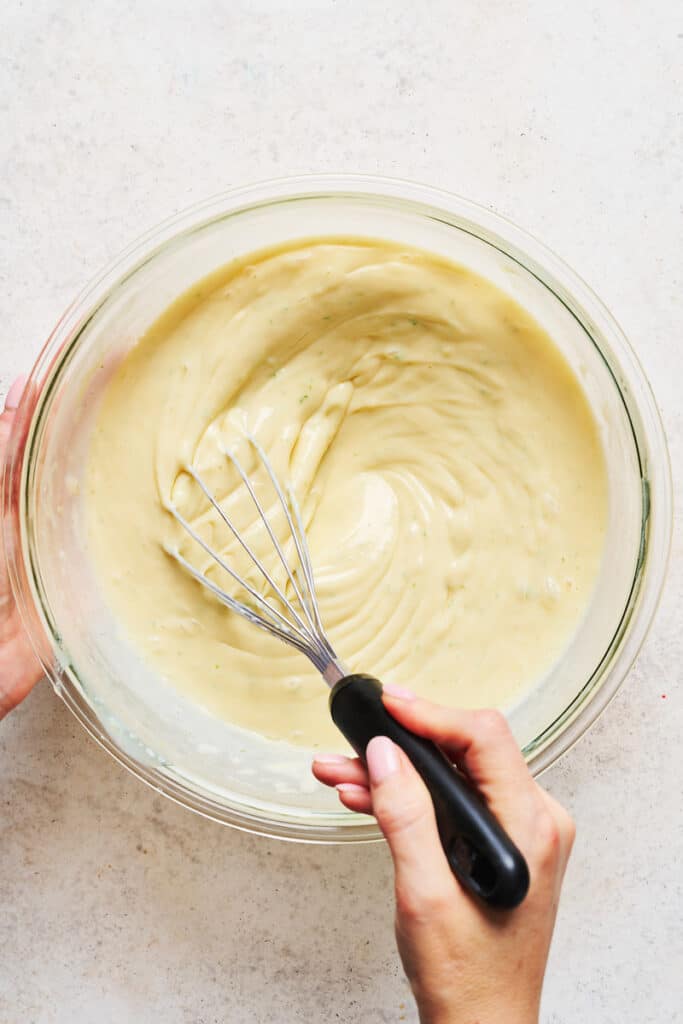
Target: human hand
465,963
19,668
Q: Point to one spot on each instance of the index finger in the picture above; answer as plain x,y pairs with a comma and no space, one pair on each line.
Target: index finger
481,743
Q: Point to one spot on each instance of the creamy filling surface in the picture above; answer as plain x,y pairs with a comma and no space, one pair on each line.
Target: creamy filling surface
444,457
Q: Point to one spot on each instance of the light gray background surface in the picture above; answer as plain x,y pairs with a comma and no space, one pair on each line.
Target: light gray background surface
115,905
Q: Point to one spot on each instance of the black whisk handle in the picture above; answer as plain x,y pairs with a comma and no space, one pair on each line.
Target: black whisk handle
481,854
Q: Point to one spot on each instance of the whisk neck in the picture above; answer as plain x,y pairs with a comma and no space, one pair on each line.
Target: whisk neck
333,672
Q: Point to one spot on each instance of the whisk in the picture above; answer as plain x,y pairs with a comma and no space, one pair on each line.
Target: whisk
480,853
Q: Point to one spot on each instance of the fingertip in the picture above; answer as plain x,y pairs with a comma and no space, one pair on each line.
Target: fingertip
355,797
13,396
331,759
337,769
394,692
405,701
322,772
415,712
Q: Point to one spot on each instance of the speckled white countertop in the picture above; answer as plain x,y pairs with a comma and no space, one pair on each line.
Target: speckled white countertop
115,905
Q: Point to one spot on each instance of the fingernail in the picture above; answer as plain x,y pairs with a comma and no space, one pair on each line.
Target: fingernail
382,759
13,396
399,692
350,787
330,759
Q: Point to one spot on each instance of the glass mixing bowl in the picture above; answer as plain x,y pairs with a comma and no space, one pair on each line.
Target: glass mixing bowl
177,747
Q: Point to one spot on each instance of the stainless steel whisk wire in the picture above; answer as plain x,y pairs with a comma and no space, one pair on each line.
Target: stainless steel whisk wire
303,629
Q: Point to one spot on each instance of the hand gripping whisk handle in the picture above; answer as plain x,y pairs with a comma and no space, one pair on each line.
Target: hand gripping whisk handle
482,856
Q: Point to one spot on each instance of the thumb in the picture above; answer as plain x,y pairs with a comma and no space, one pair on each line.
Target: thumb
404,812
12,400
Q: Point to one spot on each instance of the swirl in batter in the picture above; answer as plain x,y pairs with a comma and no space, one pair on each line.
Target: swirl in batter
446,461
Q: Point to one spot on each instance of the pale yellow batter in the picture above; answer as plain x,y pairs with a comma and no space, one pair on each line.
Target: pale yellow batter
446,461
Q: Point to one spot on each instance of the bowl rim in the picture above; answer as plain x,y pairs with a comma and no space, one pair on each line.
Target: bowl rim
464,214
